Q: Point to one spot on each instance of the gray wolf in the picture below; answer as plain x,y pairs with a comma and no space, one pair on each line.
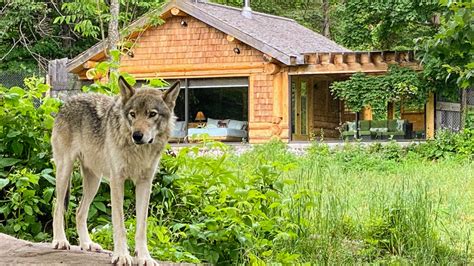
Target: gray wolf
117,138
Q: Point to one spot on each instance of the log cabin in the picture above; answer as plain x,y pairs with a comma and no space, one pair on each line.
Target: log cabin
268,74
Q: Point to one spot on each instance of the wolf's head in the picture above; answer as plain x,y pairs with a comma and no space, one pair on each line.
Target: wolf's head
149,112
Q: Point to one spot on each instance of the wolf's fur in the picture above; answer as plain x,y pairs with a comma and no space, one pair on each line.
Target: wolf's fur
117,138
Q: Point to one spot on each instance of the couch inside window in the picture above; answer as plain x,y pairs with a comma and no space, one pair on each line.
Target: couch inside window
222,130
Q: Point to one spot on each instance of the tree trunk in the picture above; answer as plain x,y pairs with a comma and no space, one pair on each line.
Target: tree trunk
326,24
113,25
114,35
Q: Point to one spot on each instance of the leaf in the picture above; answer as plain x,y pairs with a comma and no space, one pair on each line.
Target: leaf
210,209
28,210
49,178
3,182
13,134
17,227
4,162
100,205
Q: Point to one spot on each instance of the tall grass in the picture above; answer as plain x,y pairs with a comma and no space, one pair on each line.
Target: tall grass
363,205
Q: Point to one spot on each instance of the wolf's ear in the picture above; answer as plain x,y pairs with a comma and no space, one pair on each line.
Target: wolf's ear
126,91
171,94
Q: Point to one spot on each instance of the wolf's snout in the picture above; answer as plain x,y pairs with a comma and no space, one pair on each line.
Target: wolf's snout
137,137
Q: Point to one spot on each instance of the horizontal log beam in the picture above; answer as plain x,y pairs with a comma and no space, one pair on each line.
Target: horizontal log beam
360,58
176,12
89,64
132,69
342,69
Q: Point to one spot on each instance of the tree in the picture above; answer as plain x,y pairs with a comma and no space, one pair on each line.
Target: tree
453,46
386,25
114,35
36,31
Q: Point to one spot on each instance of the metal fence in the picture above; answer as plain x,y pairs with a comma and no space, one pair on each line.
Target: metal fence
16,78
448,111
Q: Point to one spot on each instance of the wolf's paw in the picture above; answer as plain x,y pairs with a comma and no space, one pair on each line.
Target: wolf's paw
61,244
122,260
145,261
91,246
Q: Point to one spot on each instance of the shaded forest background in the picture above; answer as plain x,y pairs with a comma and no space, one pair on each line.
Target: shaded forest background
33,32
441,31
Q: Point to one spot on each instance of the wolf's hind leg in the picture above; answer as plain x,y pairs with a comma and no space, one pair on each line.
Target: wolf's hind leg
64,168
90,185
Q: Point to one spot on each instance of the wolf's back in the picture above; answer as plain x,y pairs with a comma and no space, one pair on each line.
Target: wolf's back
83,116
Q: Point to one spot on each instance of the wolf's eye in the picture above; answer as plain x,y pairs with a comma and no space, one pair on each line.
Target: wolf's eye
152,114
132,114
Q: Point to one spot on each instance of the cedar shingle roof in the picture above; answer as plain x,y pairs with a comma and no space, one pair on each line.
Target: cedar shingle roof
283,34
282,38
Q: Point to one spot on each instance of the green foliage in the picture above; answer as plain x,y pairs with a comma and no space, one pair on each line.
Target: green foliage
90,17
450,50
26,120
26,186
448,145
26,204
386,25
111,87
362,90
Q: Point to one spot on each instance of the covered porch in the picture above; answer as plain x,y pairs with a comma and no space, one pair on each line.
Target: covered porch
316,114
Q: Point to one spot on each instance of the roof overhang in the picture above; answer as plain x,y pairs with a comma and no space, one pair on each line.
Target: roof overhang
97,52
353,62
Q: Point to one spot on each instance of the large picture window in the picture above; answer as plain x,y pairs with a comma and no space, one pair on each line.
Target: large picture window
202,102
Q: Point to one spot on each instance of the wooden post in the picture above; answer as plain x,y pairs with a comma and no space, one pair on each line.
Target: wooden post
390,111
367,113
430,116
58,77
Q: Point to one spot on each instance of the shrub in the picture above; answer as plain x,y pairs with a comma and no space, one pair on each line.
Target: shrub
26,119
448,145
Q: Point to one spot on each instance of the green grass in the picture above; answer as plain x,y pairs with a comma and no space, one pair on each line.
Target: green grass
360,206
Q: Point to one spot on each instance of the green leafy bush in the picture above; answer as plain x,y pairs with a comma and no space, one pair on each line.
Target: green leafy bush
26,186
25,126
448,145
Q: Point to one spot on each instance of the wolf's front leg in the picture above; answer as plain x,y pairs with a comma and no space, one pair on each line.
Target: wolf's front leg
142,194
121,255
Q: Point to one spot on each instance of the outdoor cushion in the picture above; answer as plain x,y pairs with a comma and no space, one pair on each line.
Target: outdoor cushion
378,124
392,125
364,125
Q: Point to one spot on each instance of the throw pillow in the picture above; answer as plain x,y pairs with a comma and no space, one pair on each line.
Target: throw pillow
236,124
400,124
212,123
351,126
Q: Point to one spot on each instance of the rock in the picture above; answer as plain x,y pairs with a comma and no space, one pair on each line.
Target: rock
14,252
19,252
